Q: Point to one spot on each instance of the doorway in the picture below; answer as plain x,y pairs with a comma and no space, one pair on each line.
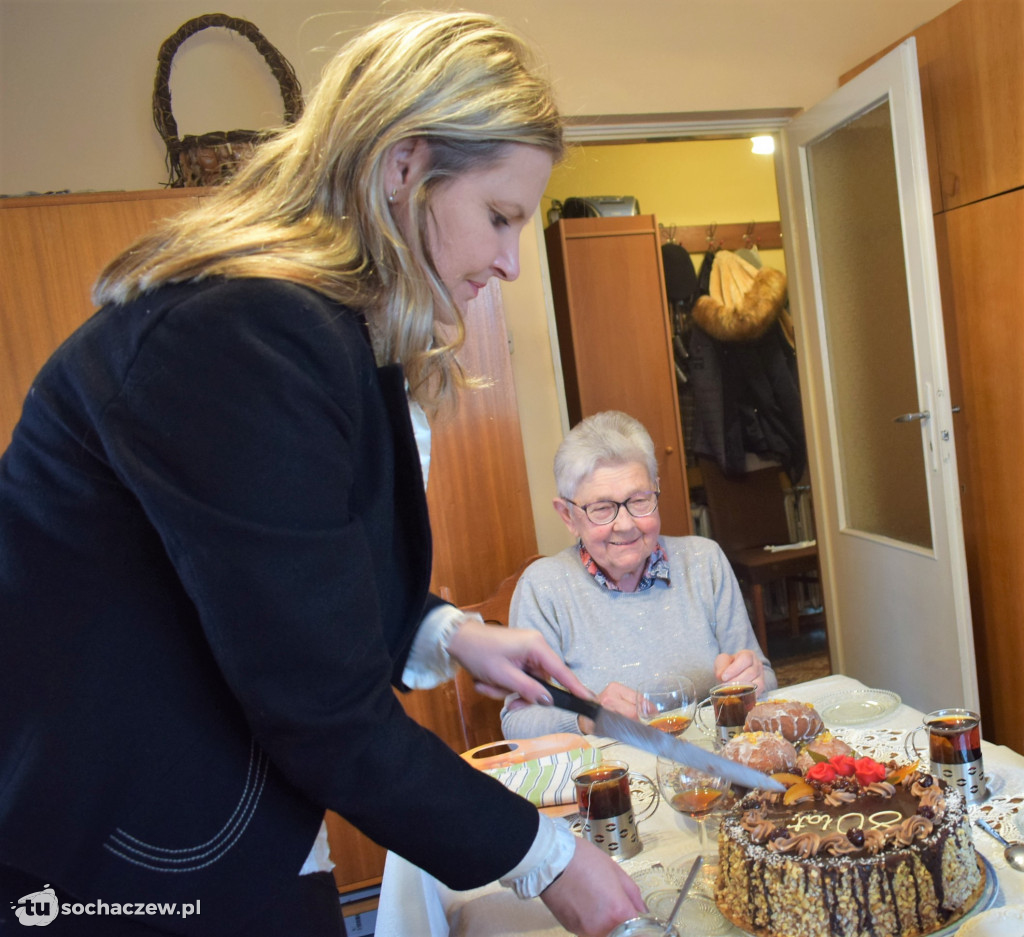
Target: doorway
714,186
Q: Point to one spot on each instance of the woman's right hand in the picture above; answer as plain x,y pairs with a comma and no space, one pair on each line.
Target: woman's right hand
593,894
615,697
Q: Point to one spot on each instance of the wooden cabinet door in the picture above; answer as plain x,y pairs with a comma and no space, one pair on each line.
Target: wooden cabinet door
976,90
971,63
615,338
983,295
52,248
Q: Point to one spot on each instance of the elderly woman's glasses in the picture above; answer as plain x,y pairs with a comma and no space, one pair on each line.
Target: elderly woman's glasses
604,512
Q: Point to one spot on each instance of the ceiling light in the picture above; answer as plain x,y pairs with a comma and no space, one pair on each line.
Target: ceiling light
764,146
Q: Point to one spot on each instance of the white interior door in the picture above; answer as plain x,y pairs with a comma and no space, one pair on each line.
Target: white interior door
865,295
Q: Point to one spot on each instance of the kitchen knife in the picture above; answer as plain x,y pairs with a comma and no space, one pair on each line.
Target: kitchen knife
612,725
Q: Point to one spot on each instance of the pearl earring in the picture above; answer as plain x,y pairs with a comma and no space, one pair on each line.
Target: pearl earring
394,192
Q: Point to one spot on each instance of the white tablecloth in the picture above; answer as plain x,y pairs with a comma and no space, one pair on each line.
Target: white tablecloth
414,904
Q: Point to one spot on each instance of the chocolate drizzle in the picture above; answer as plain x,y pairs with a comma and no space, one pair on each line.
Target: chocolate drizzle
855,861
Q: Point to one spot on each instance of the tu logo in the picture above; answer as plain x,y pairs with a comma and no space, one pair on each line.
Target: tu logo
37,909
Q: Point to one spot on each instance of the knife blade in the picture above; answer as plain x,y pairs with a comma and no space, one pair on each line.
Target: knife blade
634,733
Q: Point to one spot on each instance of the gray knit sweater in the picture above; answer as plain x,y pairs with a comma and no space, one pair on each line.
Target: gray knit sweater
679,625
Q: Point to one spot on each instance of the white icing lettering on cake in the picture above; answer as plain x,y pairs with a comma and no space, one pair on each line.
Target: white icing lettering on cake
822,822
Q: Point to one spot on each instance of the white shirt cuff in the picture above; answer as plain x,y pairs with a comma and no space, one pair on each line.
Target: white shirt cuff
429,664
550,853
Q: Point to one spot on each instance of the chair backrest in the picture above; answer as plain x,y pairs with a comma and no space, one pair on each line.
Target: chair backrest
481,715
746,510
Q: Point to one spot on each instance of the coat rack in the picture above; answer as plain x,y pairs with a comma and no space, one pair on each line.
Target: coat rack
764,235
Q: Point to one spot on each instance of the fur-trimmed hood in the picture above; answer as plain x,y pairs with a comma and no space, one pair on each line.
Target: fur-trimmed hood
743,302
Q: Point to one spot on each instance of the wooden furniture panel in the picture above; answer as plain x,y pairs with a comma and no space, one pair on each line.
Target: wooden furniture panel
615,337
977,97
478,494
51,250
983,294
971,66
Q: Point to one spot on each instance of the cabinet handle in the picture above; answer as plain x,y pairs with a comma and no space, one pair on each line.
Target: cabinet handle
669,450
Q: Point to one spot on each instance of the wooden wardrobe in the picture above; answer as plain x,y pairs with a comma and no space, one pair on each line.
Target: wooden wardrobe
51,250
971,65
615,338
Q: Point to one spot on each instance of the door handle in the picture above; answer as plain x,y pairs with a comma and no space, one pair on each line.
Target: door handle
911,417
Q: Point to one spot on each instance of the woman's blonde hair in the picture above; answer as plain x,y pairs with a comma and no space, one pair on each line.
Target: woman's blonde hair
311,206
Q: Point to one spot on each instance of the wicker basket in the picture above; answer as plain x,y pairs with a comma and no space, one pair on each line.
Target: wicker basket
211,158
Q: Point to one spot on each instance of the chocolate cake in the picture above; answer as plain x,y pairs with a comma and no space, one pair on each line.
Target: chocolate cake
853,849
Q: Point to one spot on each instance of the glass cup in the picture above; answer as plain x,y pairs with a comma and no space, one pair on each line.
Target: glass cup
954,750
666,702
730,703
606,808
698,795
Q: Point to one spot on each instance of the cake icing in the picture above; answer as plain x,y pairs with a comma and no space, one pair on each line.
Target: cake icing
852,849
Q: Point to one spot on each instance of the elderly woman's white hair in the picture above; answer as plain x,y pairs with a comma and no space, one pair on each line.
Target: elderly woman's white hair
607,438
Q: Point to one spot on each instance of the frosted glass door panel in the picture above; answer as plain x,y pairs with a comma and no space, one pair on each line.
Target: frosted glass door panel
866,311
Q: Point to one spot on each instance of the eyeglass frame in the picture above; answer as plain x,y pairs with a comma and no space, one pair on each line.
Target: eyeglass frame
619,505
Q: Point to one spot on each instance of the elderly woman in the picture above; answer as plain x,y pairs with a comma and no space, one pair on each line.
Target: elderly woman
624,602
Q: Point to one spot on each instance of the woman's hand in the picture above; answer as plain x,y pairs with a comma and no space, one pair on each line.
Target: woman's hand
742,667
616,697
501,661
593,894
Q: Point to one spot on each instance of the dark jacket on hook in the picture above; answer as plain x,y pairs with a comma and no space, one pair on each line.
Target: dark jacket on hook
744,378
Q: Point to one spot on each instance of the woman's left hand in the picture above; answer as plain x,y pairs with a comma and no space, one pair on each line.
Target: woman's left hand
742,667
501,660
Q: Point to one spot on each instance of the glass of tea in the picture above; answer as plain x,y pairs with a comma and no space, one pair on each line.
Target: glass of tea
606,808
954,750
730,703
666,702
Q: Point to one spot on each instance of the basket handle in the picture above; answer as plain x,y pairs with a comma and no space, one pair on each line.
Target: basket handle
291,92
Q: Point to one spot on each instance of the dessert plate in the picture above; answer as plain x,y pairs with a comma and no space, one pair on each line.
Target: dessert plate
857,707
1007,921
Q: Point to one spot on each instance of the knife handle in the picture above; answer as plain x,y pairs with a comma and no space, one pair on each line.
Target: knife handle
563,699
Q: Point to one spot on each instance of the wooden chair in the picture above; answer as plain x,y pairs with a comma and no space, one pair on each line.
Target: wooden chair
747,513
481,715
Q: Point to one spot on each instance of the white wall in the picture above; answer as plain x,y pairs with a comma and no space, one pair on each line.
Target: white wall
76,79
77,75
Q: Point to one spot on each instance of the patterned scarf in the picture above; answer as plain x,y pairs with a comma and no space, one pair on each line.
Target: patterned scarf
655,568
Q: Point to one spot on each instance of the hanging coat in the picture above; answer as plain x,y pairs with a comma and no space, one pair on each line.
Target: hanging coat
743,368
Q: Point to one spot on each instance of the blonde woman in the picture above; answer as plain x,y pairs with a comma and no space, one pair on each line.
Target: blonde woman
214,546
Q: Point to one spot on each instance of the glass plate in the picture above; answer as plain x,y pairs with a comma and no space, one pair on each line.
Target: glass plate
698,917
1007,921
857,707
988,894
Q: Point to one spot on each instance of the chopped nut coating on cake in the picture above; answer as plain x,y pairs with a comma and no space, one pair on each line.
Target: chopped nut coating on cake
864,850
